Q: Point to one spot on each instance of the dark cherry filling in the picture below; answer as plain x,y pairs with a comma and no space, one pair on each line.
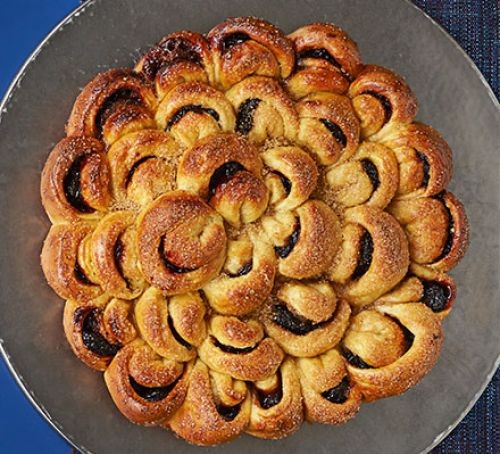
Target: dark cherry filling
176,334
268,399
154,393
449,239
285,250
91,334
335,131
322,54
123,96
365,256
118,253
436,295
426,168
72,185
136,165
196,108
287,184
168,264
245,269
244,117
355,360
222,176
228,413
80,275
233,39
386,104
372,172
297,325
230,349
338,394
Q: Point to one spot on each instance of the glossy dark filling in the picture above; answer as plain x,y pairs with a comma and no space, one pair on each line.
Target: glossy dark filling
355,360
268,399
297,325
136,165
322,54
123,96
244,270
230,349
372,172
168,264
436,295
153,393
196,108
338,394
222,176
233,39
72,186
425,167
244,117
118,253
228,413
386,104
285,250
176,334
335,131
287,184
91,334
449,239
365,255
80,275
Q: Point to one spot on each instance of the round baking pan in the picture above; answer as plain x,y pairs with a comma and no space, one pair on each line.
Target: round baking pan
454,98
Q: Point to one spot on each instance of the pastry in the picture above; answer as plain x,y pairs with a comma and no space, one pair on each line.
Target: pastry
251,230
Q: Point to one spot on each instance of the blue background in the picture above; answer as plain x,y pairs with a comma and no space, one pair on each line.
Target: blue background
24,23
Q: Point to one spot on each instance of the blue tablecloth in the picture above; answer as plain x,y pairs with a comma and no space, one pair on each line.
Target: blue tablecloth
475,26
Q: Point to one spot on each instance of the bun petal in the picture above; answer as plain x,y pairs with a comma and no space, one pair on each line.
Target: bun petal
396,324
239,349
75,180
374,255
247,278
276,404
146,388
328,127
305,240
114,103
382,100
330,395
244,46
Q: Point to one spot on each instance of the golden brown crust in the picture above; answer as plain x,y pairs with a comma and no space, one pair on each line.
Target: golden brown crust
146,388
114,103
245,46
216,409
408,369
75,180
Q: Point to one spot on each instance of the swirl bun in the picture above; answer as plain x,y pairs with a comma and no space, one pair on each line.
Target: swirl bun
75,180
182,242
305,240
97,330
246,46
292,176
146,388
263,109
382,101
216,408
391,347
374,255
276,404
327,60
330,395
114,103
306,319
143,166
193,110
437,229
247,279
328,127
239,349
